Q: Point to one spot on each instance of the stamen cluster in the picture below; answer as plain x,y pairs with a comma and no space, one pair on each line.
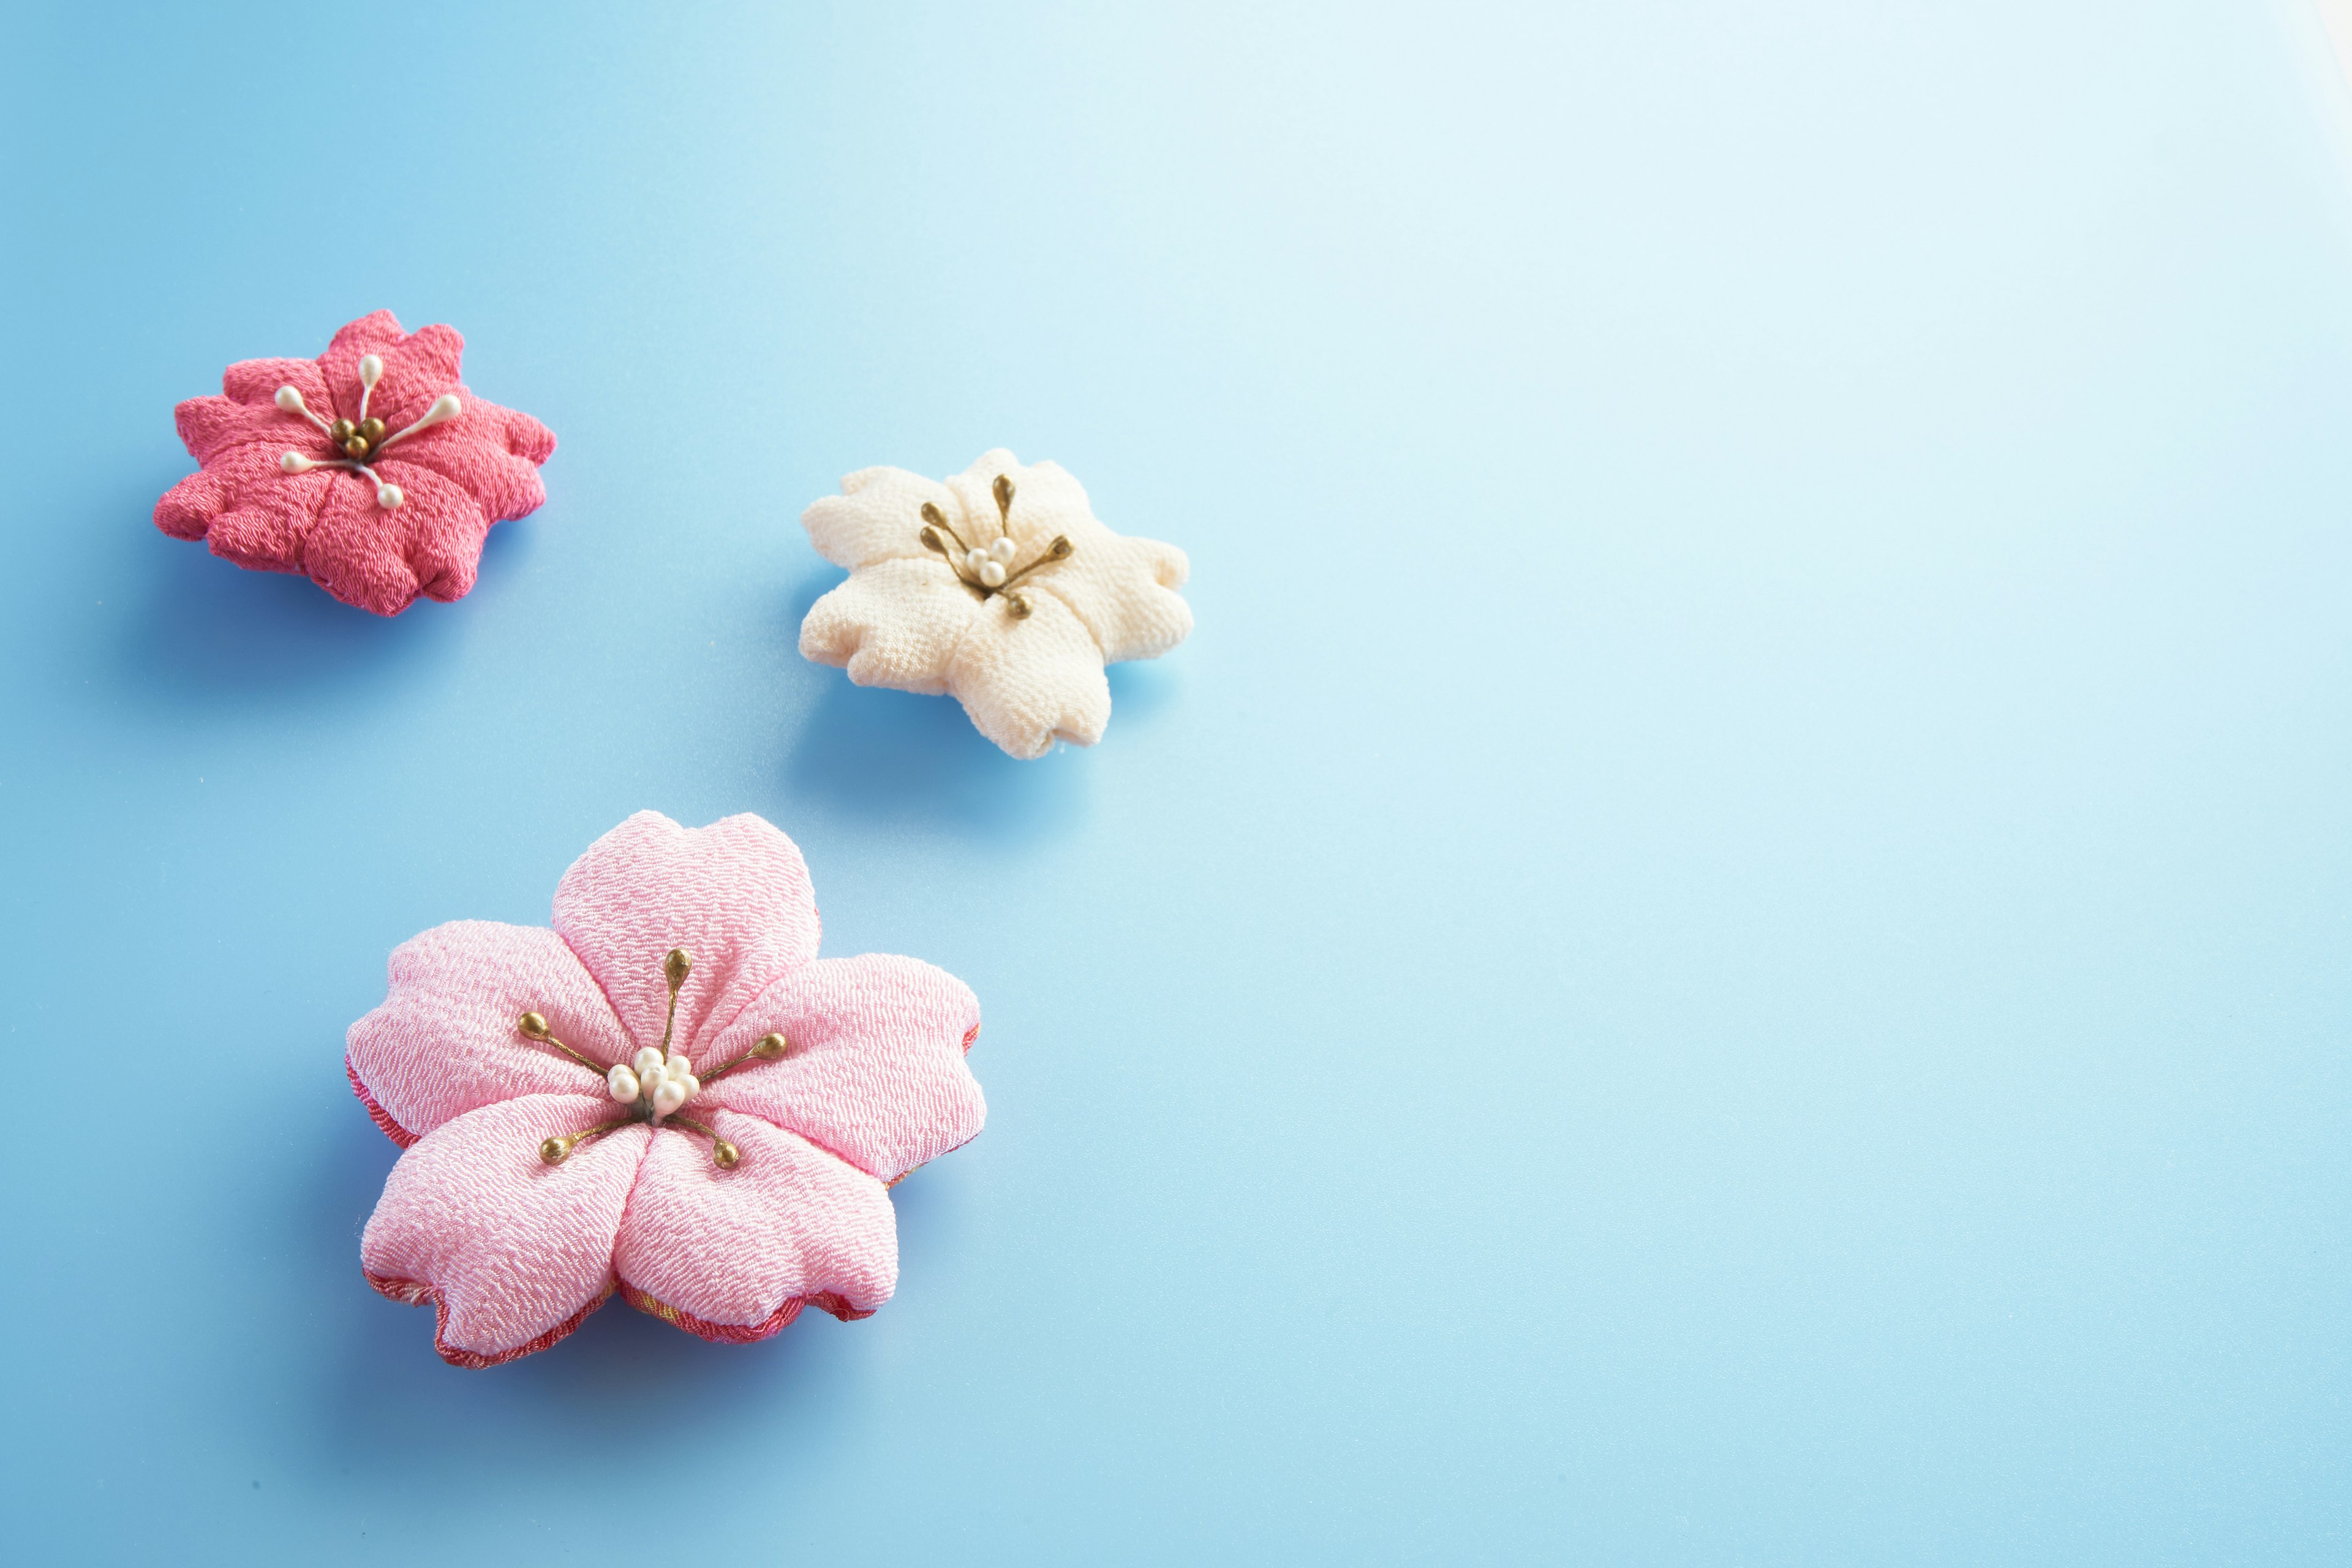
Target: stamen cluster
987,569
656,1082
364,437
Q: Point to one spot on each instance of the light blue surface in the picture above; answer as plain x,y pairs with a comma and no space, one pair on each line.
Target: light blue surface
1728,945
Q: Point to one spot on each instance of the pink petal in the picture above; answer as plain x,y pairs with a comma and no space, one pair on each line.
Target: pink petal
734,895
876,1071
255,384
734,1255
492,453
444,1041
417,368
382,558
513,1251
211,426
250,510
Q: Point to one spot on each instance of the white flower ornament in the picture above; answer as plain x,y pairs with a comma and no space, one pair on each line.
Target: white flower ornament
998,586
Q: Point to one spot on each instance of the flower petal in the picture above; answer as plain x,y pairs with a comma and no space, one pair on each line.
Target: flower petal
255,383
417,367
734,1254
1123,589
734,895
1027,682
444,1042
382,558
249,510
513,1251
876,1071
492,453
894,623
209,426
879,516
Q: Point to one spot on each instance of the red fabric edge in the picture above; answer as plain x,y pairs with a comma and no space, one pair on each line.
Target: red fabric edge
414,1293
383,1118
740,1334
969,1036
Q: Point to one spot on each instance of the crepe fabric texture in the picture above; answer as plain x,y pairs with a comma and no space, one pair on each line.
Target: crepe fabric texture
906,619
455,477
514,1251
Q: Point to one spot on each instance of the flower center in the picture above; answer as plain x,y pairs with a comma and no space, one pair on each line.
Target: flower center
987,569
656,1082
363,437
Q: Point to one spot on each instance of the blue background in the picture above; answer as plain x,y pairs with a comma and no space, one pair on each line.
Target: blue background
1728,944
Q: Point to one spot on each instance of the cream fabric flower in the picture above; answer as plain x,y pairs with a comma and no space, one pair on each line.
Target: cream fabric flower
998,586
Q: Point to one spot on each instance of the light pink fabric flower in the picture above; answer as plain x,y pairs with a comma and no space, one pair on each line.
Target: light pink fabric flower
669,1094
370,469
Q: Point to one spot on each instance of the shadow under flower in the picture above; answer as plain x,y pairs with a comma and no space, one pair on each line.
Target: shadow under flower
207,637
876,754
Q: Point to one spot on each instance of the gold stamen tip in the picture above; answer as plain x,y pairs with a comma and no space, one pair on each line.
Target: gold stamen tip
553,1150
931,541
1019,604
1004,493
770,1046
372,428
533,1025
341,431
677,966
356,446
933,515
1060,549
726,1155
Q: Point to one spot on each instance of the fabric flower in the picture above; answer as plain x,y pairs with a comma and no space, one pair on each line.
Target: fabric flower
370,469
998,586
669,1094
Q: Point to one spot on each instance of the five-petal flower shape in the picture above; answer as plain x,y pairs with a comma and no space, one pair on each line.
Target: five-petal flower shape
999,586
668,1093
370,469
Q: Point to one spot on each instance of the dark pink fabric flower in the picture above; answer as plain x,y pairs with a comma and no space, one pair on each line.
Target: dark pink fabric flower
371,468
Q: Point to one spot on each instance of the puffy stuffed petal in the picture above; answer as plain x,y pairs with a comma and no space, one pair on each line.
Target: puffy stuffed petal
1123,589
879,516
895,622
514,1251
492,453
255,383
875,1071
418,367
734,895
1027,682
734,1254
444,1042
252,511
209,426
382,558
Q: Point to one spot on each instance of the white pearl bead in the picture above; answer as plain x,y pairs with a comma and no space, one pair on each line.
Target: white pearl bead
622,1084
289,400
677,1065
390,496
992,573
647,1062
371,370
976,559
1004,550
691,1084
293,463
667,1097
445,407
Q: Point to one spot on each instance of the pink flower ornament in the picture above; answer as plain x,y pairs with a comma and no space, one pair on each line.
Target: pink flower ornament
371,468
667,1094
